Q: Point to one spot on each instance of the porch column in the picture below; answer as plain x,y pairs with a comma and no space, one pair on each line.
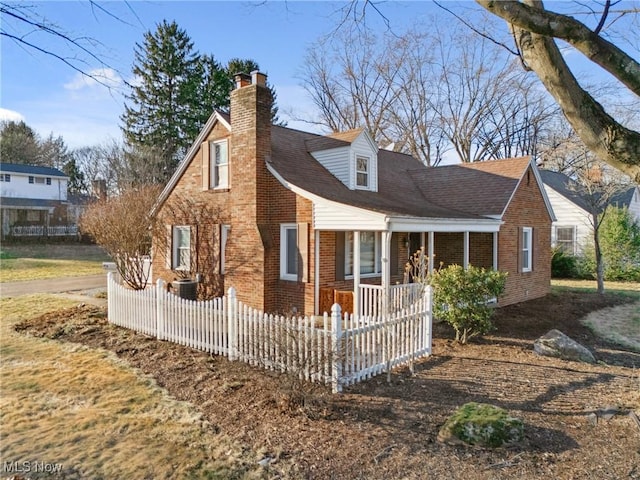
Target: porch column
356,273
430,250
316,272
465,249
386,269
495,250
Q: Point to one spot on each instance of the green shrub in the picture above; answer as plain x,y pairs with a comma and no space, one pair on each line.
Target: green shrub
460,298
563,265
484,425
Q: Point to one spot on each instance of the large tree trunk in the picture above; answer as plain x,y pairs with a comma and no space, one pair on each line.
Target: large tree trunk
599,259
609,140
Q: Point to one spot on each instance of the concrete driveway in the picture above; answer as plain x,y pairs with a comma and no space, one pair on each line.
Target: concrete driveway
54,285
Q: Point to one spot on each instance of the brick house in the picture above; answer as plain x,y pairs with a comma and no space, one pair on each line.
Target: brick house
303,218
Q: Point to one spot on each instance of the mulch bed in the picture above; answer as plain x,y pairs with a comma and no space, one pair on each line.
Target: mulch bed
388,430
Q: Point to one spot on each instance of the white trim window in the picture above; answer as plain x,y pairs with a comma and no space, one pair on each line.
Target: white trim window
289,251
182,248
5,177
370,264
527,249
363,171
565,239
219,164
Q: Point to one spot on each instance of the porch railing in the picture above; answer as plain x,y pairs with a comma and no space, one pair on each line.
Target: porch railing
400,296
43,231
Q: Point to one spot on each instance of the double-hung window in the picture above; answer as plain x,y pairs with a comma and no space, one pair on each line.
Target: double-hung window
5,177
182,248
565,239
369,253
219,164
289,251
527,249
362,171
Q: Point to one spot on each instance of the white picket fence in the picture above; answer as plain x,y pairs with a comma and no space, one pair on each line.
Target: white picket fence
330,349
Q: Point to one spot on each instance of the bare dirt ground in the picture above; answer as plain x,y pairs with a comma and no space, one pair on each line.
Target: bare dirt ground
377,430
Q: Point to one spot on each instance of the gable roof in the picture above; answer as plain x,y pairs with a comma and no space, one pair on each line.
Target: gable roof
405,186
624,198
31,170
565,186
217,116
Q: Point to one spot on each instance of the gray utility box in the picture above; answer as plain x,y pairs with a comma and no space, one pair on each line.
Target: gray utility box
186,288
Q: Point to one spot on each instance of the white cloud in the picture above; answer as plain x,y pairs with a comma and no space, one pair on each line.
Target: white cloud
98,77
10,115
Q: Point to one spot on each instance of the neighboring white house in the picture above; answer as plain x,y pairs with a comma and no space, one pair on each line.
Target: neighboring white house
573,230
33,201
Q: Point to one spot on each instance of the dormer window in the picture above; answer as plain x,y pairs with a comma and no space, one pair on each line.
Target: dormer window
362,171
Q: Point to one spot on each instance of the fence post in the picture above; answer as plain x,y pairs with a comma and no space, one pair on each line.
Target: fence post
160,320
110,297
428,306
336,340
232,318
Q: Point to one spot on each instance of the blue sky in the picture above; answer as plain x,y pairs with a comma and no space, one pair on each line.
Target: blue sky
51,97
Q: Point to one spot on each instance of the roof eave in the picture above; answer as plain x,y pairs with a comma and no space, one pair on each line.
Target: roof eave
191,153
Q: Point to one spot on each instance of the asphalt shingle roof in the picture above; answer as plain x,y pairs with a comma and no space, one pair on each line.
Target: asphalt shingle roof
30,170
405,186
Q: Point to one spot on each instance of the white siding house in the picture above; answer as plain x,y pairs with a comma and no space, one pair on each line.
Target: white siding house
572,230
34,200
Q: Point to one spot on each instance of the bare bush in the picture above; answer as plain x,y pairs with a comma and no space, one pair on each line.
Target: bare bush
122,225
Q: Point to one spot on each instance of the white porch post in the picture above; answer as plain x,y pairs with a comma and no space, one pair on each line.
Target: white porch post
430,250
386,269
465,248
356,273
495,250
316,273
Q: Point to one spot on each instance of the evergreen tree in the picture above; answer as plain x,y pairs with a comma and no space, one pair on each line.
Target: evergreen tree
19,143
160,114
238,65
77,183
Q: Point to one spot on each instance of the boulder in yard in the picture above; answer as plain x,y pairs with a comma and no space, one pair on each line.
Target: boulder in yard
481,424
554,343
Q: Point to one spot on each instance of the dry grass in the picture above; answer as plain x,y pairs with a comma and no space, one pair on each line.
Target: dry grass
83,408
42,261
590,285
619,324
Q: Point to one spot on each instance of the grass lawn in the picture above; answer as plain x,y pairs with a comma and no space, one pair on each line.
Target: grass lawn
86,410
620,324
42,261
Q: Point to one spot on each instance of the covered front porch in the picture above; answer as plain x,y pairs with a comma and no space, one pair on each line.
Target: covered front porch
370,275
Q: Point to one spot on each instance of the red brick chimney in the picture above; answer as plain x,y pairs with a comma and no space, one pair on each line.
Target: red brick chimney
250,146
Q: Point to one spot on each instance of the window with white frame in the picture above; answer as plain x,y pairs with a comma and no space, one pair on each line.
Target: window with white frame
219,164
527,248
289,251
5,177
182,248
369,253
565,239
362,171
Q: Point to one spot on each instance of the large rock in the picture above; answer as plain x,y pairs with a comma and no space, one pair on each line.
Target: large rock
481,424
556,344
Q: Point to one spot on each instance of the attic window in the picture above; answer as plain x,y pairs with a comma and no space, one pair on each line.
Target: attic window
362,171
219,165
